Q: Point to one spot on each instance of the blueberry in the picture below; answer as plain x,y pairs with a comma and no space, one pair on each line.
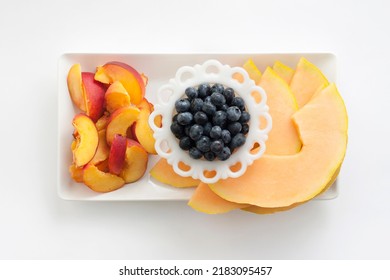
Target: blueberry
207,99
216,146
201,118
216,132
185,143
239,102
195,153
218,99
245,128
228,93
196,105
203,144
177,129
233,113
220,118
207,129
174,119
237,141
217,88
185,118
226,136
224,154
196,132
203,90
245,117
182,105
210,156
191,92
209,108
234,128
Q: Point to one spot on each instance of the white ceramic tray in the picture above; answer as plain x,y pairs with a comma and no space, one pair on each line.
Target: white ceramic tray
159,68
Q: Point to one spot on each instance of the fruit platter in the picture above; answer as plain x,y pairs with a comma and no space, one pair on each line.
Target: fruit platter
262,133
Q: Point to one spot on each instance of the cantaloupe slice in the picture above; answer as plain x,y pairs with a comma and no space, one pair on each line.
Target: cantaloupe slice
253,71
306,80
283,138
164,173
205,200
283,71
269,210
281,181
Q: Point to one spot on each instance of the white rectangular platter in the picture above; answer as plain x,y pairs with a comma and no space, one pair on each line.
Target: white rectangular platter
159,68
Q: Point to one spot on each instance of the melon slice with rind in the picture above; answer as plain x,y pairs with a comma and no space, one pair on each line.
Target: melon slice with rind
253,71
283,71
206,201
306,80
281,181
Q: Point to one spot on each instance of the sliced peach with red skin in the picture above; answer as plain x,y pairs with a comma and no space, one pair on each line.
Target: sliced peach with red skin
116,97
100,181
120,121
117,155
75,86
102,150
94,92
86,141
142,130
136,162
127,75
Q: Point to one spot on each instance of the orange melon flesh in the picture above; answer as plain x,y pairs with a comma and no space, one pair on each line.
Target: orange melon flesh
268,210
164,173
283,71
281,181
306,81
283,138
205,200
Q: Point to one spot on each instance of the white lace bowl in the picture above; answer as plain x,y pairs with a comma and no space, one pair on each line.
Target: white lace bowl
211,71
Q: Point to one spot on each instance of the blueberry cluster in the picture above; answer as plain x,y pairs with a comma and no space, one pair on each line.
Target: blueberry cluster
211,122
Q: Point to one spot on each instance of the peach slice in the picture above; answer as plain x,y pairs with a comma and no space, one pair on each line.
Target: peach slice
76,173
127,75
94,92
100,181
103,166
86,141
116,158
102,122
135,163
102,150
75,86
120,121
116,97
142,130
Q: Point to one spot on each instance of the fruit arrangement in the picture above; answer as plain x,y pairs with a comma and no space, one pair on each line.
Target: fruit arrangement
305,148
304,151
112,138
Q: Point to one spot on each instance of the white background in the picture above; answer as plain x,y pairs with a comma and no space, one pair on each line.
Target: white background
36,224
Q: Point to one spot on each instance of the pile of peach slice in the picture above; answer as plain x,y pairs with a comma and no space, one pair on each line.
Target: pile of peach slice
112,137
